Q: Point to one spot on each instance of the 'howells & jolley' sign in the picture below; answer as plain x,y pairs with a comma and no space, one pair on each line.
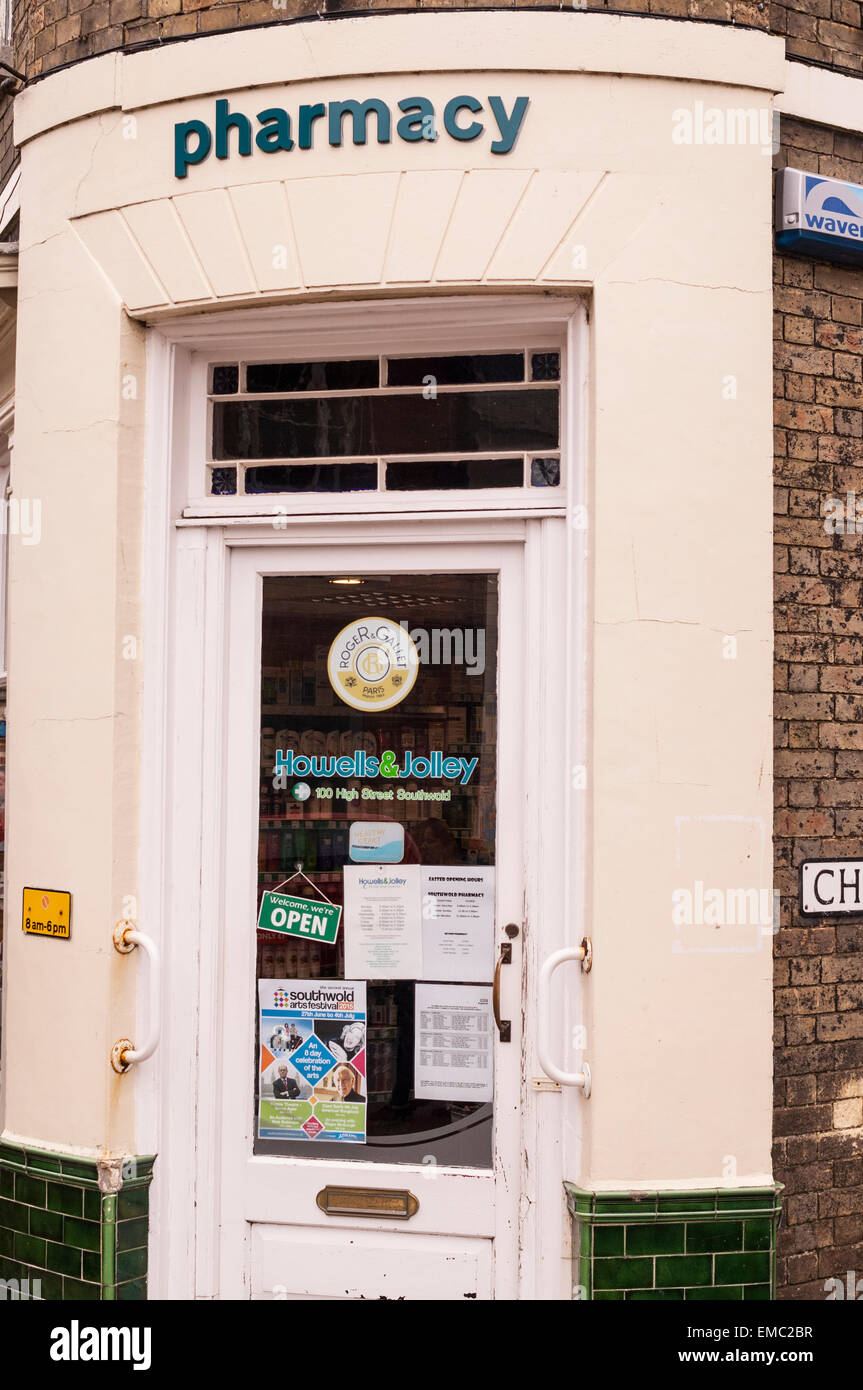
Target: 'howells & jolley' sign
414,119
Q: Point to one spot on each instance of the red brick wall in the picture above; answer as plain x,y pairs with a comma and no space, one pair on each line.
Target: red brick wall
8,152
49,33
818,357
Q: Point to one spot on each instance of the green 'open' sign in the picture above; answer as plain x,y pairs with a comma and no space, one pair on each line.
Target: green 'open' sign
299,917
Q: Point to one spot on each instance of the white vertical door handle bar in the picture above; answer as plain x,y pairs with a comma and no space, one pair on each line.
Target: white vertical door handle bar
151,950
565,1078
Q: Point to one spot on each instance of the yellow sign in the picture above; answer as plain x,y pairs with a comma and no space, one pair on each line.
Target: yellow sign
373,664
47,913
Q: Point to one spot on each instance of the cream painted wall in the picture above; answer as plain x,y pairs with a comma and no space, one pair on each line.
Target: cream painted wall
673,242
73,700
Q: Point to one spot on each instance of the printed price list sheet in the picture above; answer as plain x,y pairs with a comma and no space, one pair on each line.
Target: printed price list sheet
454,1053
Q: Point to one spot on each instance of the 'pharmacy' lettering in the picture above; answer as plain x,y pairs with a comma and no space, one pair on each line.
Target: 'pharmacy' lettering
362,764
194,140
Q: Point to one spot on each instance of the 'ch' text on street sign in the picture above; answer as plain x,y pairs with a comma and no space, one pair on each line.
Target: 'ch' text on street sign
830,886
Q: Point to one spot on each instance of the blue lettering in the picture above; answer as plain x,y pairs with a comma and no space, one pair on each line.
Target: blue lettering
225,121
508,126
360,114
275,132
183,156
451,110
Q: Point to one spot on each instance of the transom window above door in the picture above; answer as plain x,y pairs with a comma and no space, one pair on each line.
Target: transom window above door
386,423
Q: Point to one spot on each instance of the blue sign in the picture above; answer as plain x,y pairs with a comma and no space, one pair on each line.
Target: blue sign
817,216
462,118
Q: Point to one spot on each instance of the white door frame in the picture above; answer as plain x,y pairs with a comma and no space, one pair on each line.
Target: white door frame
453,1201
187,561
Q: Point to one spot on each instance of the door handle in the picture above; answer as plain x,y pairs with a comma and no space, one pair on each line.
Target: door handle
504,1026
124,1053
583,953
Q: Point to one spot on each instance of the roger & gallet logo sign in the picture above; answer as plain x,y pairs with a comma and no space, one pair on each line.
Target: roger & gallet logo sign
461,118
372,664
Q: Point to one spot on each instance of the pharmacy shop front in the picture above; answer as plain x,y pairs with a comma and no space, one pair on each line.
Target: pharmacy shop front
367,713
408,424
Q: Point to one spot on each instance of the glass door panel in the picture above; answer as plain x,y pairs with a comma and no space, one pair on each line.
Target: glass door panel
409,779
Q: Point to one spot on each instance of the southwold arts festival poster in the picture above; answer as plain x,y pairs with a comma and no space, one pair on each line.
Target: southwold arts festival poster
313,1060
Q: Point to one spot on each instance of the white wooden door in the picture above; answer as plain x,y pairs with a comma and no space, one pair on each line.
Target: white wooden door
274,1239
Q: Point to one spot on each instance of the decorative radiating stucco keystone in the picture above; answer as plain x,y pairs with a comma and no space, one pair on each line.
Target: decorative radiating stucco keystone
374,230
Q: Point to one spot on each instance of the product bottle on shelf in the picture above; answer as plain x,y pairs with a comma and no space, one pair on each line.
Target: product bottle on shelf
311,858
299,846
303,960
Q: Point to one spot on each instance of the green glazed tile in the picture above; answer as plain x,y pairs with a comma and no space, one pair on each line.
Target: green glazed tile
29,1282
7,1182
751,1268
624,1206
756,1292
92,1266
66,1199
131,1264
92,1205
9,1269
695,1203
654,1295
134,1201
608,1296
726,1291
84,1169
131,1234
29,1190
29,1249
77,1289
679,1271
622,1274
705,1236
63,1259
579,1204
84,1235
14,1216
666,1238
758,1235
41,1162
7,1240
608,1240
12,1153
46,1223
748,1200
51,1289
133,1289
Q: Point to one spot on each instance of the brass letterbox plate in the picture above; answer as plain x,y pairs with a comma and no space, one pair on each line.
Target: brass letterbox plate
367,1201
